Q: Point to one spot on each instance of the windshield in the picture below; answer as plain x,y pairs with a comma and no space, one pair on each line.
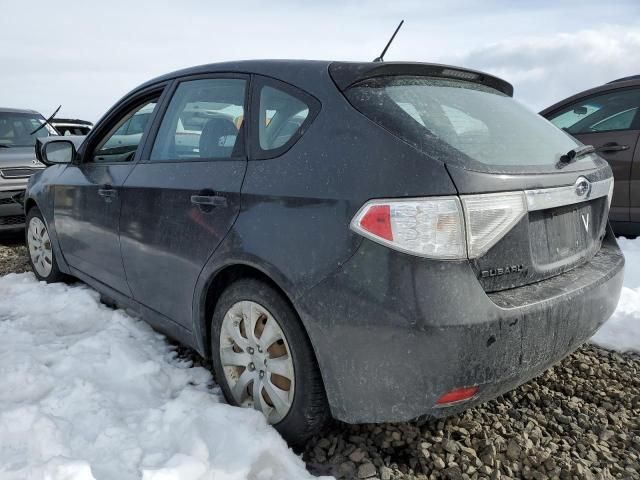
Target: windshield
16,128
463,122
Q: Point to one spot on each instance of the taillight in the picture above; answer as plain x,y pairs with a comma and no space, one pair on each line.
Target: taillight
441,227
428,227
489,217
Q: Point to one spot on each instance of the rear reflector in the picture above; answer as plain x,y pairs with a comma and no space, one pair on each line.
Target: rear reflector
377,221
457,396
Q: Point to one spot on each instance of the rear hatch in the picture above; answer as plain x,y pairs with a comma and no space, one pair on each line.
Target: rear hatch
491,144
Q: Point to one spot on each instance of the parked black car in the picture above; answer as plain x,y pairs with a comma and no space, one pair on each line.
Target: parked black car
607,117
374,241
17,161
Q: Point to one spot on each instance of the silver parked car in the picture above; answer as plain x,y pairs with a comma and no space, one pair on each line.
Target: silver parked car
17,161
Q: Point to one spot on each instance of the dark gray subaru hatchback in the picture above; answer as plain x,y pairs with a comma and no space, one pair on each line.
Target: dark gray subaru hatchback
368,241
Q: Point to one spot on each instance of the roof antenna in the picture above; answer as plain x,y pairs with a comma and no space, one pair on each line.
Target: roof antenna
381,57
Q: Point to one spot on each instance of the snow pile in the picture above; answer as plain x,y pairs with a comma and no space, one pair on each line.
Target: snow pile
622,331
88,392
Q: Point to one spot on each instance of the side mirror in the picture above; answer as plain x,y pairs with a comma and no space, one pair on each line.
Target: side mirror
58,151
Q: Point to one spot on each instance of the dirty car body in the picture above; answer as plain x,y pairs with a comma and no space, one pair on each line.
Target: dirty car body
427,248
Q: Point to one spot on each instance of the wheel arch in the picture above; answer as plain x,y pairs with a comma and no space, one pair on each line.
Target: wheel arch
29,204
214,287
45,207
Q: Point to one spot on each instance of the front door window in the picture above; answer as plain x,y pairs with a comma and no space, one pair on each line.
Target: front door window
121,143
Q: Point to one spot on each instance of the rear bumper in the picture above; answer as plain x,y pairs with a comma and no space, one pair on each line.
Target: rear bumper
392,333
11,213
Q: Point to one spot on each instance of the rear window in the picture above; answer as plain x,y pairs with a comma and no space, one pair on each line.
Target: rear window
463,122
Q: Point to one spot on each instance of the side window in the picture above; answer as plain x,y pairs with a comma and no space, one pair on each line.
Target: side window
204,120
283,114
611,111
121,143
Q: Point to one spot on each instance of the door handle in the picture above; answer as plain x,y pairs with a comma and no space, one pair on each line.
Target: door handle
108,193
612,147
209,200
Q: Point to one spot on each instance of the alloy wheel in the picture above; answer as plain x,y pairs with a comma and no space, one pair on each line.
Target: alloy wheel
257,360
40,247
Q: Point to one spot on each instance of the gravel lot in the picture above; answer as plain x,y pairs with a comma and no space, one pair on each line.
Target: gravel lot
579,420
13,255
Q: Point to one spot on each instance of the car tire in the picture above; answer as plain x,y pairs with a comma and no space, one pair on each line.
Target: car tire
41,254
307,411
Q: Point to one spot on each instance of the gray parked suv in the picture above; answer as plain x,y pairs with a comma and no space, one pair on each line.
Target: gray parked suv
17,161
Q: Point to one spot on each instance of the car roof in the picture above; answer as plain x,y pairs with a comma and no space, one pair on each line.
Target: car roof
625,82
18,110
343,73
260,67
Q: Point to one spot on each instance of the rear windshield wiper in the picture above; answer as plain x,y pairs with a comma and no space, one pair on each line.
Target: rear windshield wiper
573,154
2,145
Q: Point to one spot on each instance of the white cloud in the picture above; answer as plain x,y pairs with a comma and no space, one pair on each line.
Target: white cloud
548,68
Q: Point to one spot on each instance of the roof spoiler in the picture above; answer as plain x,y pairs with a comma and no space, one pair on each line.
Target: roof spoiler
345,74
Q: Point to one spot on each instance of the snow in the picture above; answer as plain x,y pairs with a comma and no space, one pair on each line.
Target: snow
622,331
89,392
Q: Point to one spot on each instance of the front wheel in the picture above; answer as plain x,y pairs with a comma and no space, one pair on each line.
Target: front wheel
262,359
41,255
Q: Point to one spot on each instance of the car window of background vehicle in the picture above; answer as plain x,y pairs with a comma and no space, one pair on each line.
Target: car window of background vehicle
16,128
121,143
281,116
203,120
611,111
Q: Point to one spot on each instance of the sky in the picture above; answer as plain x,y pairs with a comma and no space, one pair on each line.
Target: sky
86,55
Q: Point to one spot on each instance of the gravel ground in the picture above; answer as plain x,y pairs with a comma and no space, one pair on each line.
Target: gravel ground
579,420
13,255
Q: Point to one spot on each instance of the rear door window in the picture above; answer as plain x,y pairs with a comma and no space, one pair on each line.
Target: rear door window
204,120
464,123
612,111
283,114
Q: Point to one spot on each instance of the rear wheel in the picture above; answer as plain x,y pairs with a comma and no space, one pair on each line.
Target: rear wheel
41,255
262,359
